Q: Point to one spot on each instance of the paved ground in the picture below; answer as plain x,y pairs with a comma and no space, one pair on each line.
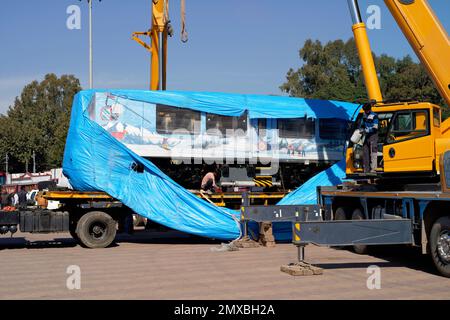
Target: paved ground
174,266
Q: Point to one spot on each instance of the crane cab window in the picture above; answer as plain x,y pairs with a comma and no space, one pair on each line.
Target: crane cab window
170,119
409,125
436,117
384,120
218,124
301,128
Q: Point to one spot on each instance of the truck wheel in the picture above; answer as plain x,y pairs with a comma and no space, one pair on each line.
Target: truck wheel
440,245
360,248
96,229
340,214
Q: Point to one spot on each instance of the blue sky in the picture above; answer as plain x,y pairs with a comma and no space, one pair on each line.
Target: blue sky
243,46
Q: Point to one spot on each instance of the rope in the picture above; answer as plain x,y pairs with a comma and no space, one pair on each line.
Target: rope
184,33
238,222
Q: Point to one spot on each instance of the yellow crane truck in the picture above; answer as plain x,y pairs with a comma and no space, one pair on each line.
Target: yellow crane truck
407,200
411,134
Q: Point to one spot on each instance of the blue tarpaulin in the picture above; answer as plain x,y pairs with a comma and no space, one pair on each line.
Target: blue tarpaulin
307,192
94,160
257,106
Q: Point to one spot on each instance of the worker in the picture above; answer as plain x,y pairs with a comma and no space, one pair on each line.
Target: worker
209,182
15,199
370,147
22,195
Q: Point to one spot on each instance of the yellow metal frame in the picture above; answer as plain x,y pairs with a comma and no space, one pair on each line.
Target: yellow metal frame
219,199
61,195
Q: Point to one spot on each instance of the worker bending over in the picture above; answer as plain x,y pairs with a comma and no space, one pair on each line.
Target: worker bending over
370,147
209,182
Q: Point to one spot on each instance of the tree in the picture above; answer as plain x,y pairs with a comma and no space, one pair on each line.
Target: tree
38,122
333,72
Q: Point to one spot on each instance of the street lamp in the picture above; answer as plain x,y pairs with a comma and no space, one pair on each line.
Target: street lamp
91,78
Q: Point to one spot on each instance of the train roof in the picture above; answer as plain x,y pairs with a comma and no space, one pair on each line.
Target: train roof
227,104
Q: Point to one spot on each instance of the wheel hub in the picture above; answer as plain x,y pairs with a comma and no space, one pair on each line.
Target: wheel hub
443,246
98,231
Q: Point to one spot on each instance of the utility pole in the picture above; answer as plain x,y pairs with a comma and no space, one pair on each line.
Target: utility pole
6,163
91,78
34,162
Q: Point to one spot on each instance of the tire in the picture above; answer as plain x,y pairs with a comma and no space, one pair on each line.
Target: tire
440,245
340,214
96,229
360,248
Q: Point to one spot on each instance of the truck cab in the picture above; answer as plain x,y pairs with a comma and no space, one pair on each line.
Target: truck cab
411,138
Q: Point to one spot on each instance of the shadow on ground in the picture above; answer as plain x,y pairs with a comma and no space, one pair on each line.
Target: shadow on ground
393,256
140,237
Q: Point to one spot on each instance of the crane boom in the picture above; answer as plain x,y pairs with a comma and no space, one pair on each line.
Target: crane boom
158,46
427,37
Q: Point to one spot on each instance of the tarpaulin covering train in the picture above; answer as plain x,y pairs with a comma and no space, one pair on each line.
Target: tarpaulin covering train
95,160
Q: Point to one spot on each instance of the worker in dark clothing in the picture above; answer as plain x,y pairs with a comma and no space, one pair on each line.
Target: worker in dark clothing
22,198
370,147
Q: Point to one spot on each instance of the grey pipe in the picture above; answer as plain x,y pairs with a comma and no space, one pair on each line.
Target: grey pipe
354,11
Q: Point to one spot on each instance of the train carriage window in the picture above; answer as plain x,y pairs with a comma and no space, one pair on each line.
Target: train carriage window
333,129
169,119
218,124
296,128
261,128
409,125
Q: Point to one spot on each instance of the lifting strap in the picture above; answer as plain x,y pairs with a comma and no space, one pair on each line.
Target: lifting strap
184,33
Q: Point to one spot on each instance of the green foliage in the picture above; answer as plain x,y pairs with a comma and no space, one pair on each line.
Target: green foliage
333,72
38,121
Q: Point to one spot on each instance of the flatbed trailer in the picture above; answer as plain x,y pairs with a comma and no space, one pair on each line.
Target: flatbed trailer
362,215
94,218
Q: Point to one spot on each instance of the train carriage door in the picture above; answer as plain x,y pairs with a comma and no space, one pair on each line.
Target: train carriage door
409,145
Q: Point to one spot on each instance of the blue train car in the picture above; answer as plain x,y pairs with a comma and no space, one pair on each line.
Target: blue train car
250,152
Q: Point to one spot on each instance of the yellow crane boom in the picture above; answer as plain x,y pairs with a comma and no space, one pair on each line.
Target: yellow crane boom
427,37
